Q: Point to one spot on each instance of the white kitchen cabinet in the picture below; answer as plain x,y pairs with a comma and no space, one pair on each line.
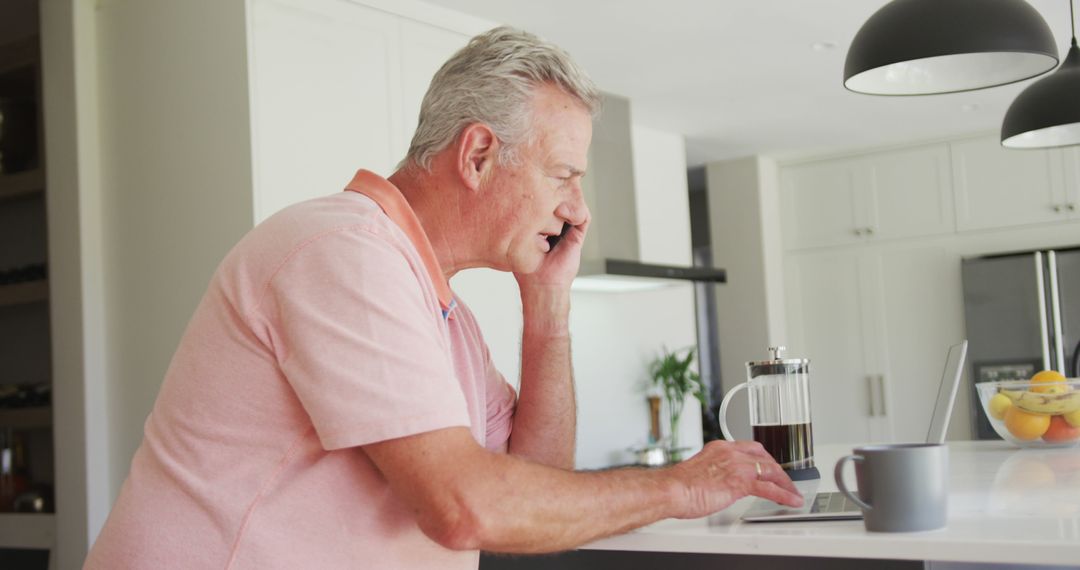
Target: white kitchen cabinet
1070,204
910,193
424,48
326,97
828,324
336,86
821,202
920,309
897,194
875,324
998,187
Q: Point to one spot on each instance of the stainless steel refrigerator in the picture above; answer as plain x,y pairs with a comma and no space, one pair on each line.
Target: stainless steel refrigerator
1022,312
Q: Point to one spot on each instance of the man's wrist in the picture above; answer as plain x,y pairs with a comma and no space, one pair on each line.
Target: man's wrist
545,311
674,488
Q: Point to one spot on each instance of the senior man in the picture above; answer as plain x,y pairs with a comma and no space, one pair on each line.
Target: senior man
332,404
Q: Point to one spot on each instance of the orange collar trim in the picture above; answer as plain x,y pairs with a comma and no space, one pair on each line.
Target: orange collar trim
393,203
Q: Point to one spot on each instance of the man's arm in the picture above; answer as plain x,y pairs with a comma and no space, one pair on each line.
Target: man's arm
546,413
465,497
545,418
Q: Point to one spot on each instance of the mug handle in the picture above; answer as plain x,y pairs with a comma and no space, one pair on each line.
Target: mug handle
838,473
723,411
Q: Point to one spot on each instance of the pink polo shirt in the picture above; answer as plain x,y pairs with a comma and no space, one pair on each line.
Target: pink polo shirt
328,327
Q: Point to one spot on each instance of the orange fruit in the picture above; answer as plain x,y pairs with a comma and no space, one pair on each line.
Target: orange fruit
1025,426
1060,430
1049,377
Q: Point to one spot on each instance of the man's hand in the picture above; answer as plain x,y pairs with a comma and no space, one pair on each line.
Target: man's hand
725,472
560,265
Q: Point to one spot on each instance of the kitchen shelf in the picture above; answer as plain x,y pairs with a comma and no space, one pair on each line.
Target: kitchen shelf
26,418
22,184
28,530
22,293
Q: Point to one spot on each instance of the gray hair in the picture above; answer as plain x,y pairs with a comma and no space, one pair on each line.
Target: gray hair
491,81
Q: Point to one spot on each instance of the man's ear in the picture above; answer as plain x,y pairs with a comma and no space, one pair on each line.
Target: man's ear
477,148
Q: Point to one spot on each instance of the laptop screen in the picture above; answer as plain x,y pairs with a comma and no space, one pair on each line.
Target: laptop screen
946,397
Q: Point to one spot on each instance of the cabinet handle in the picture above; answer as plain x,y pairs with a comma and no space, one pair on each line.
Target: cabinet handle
1072,207
869,231
858,231
881,392
1057,208
870,395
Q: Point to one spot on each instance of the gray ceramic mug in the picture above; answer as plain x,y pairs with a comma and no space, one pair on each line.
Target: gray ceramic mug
902,487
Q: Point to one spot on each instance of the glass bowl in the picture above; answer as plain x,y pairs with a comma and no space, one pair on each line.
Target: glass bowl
1029,414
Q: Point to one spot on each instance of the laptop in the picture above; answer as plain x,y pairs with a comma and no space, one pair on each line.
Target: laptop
834,505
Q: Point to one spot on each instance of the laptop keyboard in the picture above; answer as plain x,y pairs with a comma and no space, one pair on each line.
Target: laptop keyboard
832,503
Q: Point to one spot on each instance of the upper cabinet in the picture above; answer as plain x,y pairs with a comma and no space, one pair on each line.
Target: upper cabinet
1070,204
896,194
325,97
821,203
336,86
996,187
424,48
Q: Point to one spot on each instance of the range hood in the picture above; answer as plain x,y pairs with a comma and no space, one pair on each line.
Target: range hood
610,257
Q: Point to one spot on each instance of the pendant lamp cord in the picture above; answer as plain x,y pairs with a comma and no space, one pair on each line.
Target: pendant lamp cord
1072,22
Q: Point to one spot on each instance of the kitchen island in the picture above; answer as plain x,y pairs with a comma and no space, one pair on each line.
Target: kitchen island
1006,506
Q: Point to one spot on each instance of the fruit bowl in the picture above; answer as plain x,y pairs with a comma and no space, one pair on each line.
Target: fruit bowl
1042,412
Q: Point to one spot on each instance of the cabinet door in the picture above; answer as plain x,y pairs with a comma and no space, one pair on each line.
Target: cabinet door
910,193
827,324
424,49
325,97
821,203
1070,196
920,309
997,188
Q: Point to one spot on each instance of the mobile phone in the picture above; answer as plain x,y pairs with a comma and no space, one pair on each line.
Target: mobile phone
554,240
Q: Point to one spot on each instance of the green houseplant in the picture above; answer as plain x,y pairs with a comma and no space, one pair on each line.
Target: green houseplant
671,374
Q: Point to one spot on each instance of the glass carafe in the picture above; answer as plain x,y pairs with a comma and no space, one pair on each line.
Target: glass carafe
779,393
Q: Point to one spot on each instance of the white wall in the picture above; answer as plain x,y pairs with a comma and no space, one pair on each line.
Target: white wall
175,182
742,197
615,336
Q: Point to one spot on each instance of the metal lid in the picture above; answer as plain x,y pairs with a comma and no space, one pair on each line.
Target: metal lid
777,365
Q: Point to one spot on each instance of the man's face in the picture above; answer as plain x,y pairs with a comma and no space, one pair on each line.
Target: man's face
530,200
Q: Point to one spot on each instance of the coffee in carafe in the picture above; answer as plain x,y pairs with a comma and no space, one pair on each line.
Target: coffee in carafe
790,444
779,391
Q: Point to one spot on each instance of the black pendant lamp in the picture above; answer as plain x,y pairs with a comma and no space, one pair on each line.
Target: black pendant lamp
923,47
1047,113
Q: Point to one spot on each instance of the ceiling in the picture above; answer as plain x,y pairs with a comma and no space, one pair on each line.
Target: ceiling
743,77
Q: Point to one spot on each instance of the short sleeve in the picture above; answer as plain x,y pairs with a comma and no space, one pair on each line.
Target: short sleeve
501,402
361,340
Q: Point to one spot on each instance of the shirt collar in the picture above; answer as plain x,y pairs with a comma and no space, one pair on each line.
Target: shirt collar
394,205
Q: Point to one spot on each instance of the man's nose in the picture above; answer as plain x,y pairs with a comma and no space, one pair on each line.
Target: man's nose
574,209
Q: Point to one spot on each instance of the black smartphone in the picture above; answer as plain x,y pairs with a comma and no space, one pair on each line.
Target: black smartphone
554,240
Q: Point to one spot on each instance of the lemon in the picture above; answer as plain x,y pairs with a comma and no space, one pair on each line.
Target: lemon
1073,418
997,406
1052,377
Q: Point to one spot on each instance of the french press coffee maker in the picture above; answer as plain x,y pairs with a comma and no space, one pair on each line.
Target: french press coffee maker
779,391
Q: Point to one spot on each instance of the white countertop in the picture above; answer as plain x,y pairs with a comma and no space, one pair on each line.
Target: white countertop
1007,505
